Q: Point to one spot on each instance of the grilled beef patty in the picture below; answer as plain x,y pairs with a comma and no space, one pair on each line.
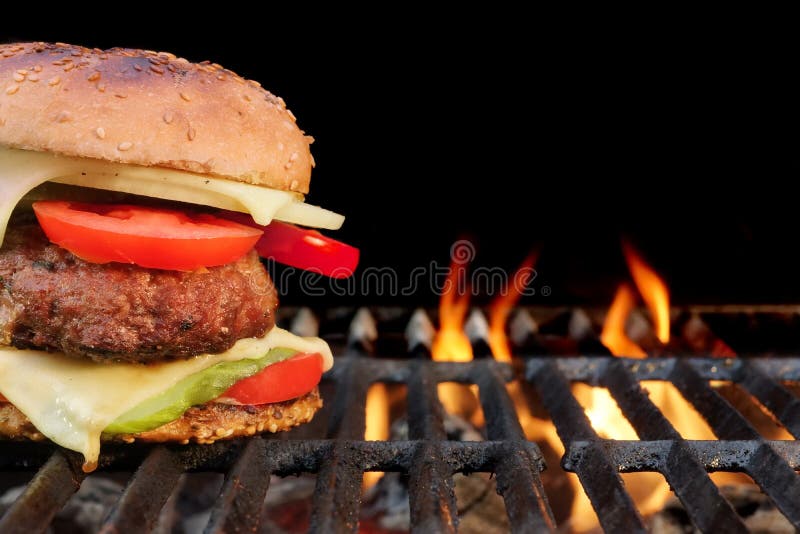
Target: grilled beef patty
52,300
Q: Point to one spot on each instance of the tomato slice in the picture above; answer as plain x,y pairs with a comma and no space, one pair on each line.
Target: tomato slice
279,382
302,248
156,238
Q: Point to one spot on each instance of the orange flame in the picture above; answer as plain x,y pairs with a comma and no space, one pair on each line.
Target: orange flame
652,288
377,425
501,308
536,429
649,490
613,335
451,344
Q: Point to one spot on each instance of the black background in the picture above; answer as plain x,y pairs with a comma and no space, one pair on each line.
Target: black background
514,134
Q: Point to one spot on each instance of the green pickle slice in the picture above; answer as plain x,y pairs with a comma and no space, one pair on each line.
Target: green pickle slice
193,390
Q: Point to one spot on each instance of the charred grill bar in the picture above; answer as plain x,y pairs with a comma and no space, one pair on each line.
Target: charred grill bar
333,447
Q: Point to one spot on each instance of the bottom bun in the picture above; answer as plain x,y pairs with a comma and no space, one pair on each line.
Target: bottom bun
202,424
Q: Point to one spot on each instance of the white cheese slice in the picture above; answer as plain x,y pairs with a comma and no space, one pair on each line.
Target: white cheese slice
22,170
71,400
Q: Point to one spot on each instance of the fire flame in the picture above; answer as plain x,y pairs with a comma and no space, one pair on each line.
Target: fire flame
535,429
377,425
649,490
451,344
502,306
653,290
613,335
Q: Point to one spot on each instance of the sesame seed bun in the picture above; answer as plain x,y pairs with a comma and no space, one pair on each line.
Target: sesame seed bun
148,108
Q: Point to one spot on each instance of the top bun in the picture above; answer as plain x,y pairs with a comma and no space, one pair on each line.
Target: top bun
149,108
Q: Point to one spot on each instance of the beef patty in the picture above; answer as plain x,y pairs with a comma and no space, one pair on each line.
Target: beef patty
52,300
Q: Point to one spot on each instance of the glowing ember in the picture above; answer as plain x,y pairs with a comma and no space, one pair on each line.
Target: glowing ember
377,425
502,306
613,336
653,290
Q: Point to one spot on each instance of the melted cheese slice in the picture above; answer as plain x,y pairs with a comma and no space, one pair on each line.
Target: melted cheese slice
72,400
22,170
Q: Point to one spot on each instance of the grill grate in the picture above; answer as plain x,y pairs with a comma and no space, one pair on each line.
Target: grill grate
430,460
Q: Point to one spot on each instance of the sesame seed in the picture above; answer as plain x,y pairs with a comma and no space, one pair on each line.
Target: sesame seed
69,66
273,427
186,97
33,78
120,95
137,67
294,185
23,72
19,77
54,81
260,427
229,433
157,70
125,145
62,116
251,430
37,68
246,97
220,432
169,117
11,89
94,76
191,133
101,133
101,87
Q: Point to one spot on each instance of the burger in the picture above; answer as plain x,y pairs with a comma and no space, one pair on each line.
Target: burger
139,193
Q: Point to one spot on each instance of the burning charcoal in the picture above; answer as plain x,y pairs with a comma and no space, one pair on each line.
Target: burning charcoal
420,332
85,511
481,509
524,334
288,505
758,513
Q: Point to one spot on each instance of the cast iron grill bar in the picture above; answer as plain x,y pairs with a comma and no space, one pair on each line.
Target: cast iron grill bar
518,478
636,456
52,486
589,369
774,396
238,508
341,459
775,477
595,469
425,413
151,485
431,494
709,511
337,496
